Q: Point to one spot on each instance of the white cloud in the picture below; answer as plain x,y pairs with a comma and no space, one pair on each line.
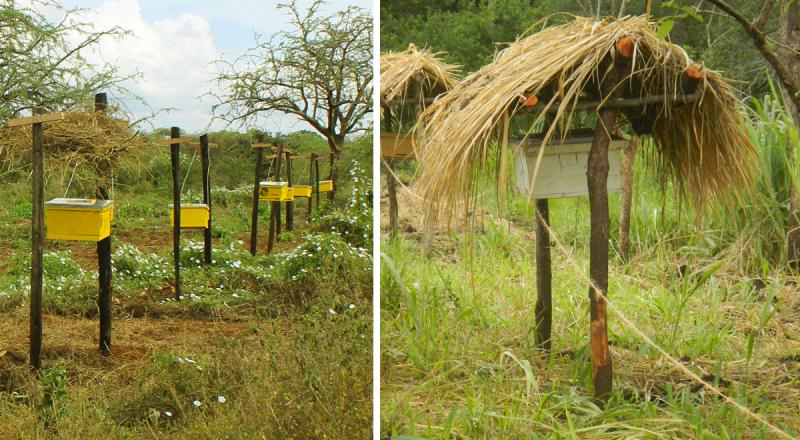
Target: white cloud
173,56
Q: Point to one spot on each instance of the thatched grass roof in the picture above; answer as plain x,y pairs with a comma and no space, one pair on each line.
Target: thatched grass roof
399,70
701,145
86,143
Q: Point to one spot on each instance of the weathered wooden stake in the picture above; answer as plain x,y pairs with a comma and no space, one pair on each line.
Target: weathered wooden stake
315,161
544,292
176,207
256,191
37,239
103,166
627,198
277,205
104,299
597,181
391,181
311,182
206,162
289,204
332,175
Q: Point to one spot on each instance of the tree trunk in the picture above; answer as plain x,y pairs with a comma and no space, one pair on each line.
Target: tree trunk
790,36
627,197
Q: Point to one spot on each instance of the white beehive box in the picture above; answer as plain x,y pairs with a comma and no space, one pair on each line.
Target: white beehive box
562,172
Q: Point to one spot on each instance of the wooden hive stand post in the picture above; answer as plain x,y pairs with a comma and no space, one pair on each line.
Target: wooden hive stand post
37,239
311,182
544,288
37,227
391,181
332,175
175,149
104,253
206,162
290,203
597,182
256,191
315,160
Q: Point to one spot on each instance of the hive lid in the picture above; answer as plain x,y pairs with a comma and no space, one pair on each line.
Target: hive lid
82,204
190,205
274,183
301,186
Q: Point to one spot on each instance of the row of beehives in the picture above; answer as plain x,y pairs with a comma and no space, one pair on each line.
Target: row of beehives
90,219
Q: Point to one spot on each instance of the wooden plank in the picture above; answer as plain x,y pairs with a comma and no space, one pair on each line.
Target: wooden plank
50,117
198,144
176,140
261,145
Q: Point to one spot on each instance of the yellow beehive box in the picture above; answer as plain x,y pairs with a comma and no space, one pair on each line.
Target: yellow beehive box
193,215
275,192
78,219
301,190
325,186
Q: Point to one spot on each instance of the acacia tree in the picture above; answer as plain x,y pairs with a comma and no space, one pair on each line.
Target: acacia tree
319,71
784,58
43,63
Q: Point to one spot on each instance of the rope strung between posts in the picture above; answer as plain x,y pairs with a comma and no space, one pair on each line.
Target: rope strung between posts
676,363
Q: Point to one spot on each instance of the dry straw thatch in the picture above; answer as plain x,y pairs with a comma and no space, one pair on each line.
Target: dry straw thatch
399,70
86,143
700,145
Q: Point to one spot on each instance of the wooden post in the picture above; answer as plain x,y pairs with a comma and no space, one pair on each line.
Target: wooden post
627,198
289,204
206,161
311,182
597,182
277,205
391,181
176,207
256,190
315,159
103,167
104,300
332,175
544,295
37,239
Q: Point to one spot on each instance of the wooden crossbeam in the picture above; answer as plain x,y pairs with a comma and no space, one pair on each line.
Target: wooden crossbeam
197,144
261,145
177,140
35,119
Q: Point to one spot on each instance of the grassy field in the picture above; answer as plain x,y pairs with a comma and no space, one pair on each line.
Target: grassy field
261,346
458,358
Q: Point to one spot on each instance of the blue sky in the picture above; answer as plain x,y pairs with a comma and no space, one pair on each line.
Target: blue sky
175,40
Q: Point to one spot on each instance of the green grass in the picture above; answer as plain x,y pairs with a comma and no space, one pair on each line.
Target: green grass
269,346
457,331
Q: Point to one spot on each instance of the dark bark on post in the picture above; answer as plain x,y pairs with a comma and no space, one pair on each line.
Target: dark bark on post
597,180
37,239
627,198
332,175
289,204
316,176
104,299
544,291
103,167
790,53
256,190
311,183
391,181
277,205
176,208
206,162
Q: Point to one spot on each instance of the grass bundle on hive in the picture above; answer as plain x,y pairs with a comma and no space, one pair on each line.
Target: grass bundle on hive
399,70
85,147
701,144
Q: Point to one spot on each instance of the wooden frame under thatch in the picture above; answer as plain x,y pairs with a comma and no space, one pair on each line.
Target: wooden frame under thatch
608,67
411,76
